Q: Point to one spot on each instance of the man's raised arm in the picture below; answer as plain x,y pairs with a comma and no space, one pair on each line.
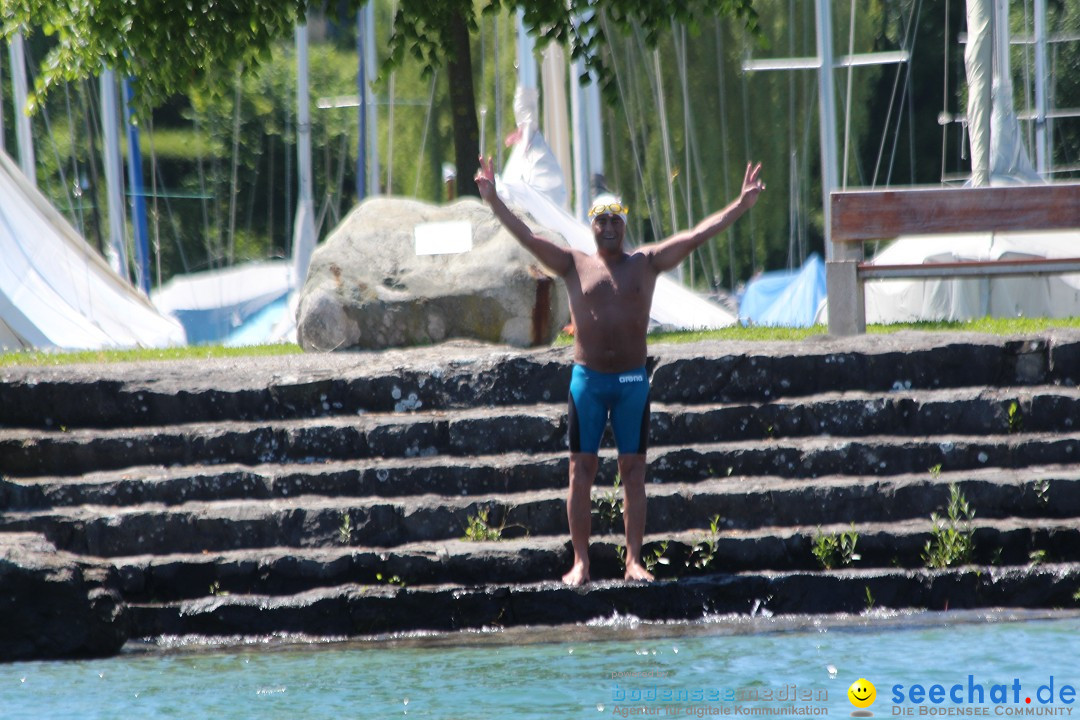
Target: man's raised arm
667,254
556,258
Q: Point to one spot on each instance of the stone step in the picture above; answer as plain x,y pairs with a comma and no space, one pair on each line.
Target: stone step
807,456
455,375
681,554
532,429
352,610
517,472
377,477
740,504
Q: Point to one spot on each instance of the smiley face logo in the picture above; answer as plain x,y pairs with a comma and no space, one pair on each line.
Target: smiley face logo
862,694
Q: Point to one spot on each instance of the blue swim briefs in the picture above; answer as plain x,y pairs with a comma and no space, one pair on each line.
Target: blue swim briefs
594,395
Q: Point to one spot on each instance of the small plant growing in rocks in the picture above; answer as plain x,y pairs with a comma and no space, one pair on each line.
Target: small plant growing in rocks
951,540
389,580
703,553
836,549
478,528
654,556
1042,490
345,529
1016,418
608,506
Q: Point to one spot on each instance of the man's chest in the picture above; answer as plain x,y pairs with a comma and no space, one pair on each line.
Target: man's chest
625,282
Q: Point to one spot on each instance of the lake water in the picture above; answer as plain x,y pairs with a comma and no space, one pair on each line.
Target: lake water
984,664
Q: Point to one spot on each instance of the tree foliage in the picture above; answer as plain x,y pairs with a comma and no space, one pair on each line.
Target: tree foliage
170,46
420,26
173,45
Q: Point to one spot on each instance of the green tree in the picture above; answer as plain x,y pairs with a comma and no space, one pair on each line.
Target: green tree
173,45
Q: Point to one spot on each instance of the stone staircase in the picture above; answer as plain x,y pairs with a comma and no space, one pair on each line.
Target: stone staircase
314,496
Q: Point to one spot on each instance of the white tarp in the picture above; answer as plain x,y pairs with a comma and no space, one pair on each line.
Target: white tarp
55,290
673,305
892,301
216,304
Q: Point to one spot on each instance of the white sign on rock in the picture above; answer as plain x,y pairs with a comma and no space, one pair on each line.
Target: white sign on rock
443,238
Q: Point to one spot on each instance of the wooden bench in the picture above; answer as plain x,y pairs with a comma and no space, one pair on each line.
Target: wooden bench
861,215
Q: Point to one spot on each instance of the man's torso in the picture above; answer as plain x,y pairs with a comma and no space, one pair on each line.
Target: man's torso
609,305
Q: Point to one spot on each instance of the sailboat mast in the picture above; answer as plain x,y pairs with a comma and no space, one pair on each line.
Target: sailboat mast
304,225
113,178
827,109
138,197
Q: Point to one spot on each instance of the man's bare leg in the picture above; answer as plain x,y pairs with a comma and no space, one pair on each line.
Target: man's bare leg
632,473
579,514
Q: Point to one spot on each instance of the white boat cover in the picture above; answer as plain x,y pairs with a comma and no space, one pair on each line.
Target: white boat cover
892,301
55,290
533,181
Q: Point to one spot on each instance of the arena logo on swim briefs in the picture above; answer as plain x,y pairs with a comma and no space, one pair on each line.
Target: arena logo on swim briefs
973,697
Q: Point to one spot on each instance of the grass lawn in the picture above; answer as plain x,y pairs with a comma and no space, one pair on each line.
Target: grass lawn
993,326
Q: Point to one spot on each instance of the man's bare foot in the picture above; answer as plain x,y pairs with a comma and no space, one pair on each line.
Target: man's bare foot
636,571
578,575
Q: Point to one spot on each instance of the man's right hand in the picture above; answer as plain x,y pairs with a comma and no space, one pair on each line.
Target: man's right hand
485,180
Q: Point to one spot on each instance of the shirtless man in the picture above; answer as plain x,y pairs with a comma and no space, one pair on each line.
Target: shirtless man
610,296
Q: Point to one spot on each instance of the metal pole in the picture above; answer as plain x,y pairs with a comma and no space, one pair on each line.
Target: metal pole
113,179
373,118
138,197
827,108
361,94
304,230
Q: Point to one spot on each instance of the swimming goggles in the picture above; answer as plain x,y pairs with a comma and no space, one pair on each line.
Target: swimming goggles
613,208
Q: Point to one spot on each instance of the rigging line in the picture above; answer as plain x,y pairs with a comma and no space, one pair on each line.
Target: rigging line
1030,126
678,36
793,217
746,150
721,95
905,96
693,167
154,199
337,191
390,135
655,213
892,96
628,100
498,92
76,187
804,196
157,175
424,137
945,93
847,102
202,190
391,92
271,186
290,150
64,189
90,124
234,182
665,137
694,164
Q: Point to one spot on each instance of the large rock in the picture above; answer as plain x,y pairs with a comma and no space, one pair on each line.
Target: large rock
368,289
54,606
